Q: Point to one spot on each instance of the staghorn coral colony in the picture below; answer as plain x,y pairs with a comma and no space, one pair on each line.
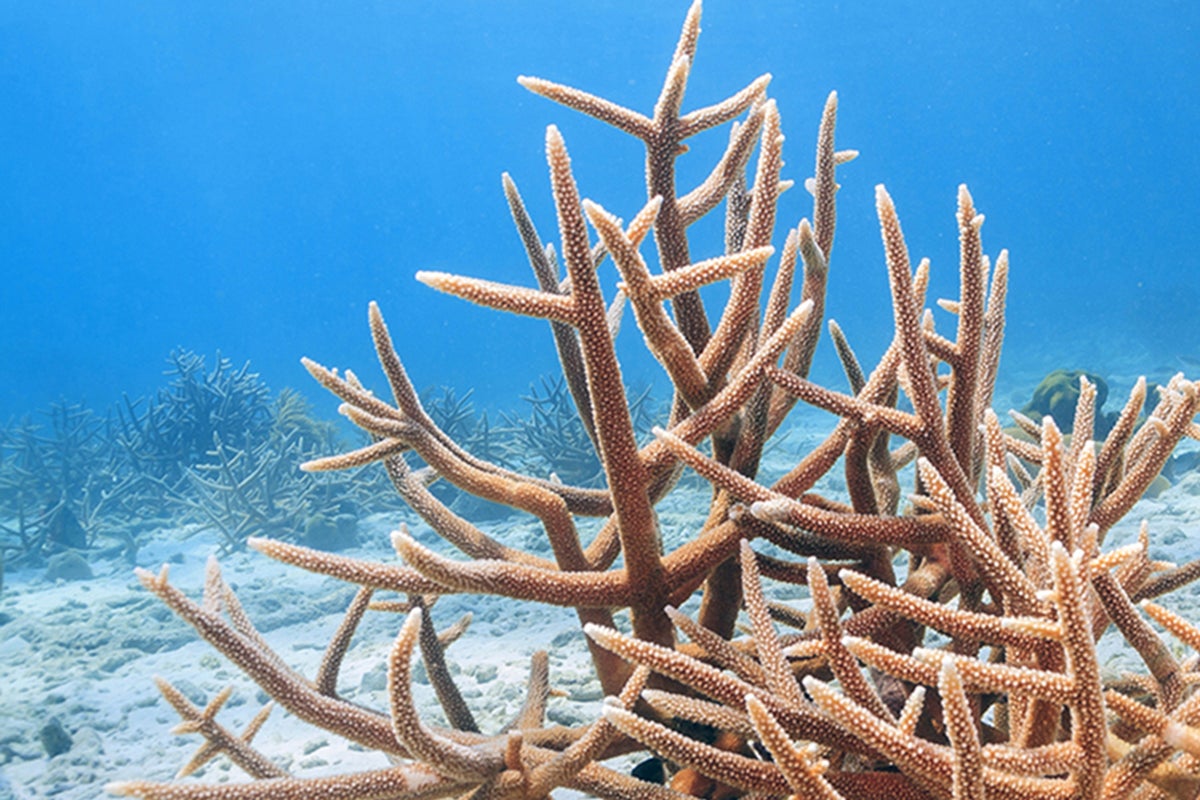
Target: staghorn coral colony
957,590
213,444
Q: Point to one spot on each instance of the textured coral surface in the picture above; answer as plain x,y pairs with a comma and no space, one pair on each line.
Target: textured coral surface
954,591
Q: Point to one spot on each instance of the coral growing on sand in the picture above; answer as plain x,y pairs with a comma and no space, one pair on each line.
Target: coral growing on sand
212,443
998,546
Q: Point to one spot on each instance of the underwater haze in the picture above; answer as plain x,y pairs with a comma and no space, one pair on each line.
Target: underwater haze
245,177
190,187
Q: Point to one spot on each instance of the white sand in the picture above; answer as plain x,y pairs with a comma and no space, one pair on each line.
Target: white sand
84,651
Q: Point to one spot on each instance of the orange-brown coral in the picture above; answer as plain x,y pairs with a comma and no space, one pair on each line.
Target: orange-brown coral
998,548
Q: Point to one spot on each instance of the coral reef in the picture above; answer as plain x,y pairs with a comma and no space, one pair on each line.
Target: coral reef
213,444
177,427
60,482
455,415
553,440
950,646
260,490
1058,395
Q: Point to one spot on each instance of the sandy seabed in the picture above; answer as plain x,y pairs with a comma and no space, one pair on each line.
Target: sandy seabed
84,652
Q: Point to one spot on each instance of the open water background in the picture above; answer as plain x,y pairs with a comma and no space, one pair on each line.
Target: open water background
244,177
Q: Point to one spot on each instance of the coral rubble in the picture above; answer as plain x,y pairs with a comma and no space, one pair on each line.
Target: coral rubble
998,547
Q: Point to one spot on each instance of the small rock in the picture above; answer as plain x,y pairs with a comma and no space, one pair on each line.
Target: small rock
1190,484
1173,536
374,680
566,637
54,737
586,694
13,645
485,673
191,691
323,532
68,566
568,716
118,660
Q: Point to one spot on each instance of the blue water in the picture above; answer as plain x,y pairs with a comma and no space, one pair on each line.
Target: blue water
247,176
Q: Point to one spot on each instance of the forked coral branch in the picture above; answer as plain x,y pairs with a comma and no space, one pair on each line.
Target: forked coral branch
950,649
